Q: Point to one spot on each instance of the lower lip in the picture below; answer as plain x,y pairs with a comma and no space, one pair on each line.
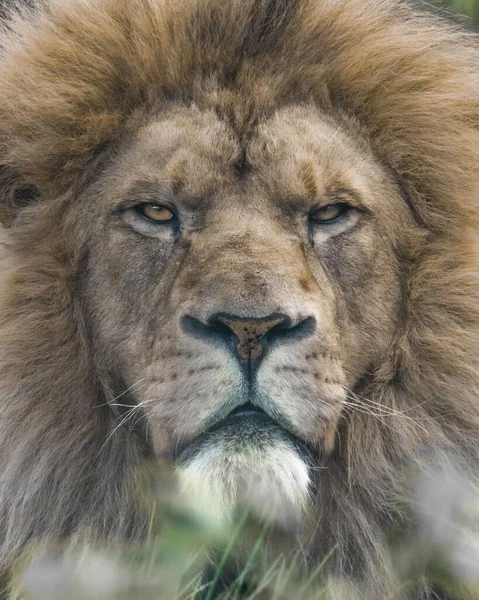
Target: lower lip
247,412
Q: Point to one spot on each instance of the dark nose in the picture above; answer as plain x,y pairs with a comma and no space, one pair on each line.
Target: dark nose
249,336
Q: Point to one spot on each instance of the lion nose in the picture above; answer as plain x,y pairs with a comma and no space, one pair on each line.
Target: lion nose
249,336
249,333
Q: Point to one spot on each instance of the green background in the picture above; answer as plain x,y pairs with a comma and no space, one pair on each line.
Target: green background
470,8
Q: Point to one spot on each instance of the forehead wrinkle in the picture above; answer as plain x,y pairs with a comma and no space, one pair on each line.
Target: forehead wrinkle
158,191
176,171
341,191
148,191
189,130
308,176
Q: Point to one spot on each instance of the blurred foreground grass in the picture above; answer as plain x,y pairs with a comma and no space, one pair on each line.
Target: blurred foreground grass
248,559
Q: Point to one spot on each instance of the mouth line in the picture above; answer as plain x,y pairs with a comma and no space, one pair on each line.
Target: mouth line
244,415
246,410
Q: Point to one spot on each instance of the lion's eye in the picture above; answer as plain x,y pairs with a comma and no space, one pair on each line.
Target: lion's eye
329,213
155,213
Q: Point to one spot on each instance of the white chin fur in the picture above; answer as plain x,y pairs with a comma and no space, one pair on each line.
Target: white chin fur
270,480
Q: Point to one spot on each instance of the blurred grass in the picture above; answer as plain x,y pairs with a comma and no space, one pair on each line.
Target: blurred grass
247,560
469,8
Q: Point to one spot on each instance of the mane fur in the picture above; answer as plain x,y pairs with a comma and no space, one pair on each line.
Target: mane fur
78,76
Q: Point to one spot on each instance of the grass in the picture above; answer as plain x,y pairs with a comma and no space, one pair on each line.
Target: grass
469,8
444,542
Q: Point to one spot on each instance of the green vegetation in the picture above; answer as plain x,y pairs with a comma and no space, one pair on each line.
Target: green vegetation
470,8
442,541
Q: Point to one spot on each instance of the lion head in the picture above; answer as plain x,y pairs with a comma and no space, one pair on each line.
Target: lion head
240,236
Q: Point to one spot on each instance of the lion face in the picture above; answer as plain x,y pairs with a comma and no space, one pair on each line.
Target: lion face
242,289
242,236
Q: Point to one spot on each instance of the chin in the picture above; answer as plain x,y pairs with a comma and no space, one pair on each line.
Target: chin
248,463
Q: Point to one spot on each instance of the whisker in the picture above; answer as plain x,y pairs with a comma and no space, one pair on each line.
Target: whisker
370,407
134,385
124,419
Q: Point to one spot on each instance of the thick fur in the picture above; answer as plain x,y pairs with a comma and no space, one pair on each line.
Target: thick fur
77,79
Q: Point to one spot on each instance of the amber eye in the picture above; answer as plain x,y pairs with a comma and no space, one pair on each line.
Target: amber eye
329,213
155,213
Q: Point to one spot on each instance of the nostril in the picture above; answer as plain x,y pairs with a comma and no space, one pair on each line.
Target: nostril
216,324
196,328
285,331
214,330
248,337
284,325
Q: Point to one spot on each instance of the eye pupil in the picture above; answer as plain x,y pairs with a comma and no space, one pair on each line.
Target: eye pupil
155,212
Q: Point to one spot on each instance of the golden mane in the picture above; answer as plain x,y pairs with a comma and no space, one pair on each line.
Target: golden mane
78,76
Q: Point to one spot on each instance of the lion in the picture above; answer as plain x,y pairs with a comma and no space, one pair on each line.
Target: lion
253,225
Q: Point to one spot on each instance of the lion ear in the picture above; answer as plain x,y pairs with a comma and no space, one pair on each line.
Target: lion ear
15,194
